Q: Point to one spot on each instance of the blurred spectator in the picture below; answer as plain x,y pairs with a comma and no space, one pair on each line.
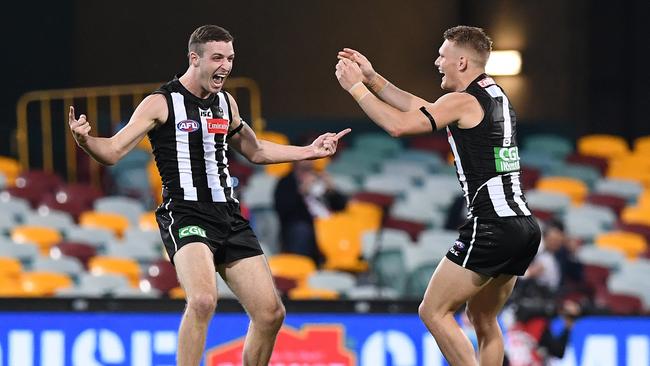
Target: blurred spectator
530,341
301,196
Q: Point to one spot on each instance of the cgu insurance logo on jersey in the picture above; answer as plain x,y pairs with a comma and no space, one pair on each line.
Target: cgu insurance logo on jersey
313,345
188,125
506,159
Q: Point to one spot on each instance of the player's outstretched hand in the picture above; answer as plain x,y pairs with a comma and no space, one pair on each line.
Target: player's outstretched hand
79,127
348,73
361,60
325,144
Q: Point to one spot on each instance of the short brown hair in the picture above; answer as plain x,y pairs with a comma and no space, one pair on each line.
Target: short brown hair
472,37
205,34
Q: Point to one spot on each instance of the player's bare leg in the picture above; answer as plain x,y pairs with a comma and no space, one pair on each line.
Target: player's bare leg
196,273
251,281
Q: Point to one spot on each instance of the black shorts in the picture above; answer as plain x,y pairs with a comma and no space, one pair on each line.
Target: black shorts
494,246
220,226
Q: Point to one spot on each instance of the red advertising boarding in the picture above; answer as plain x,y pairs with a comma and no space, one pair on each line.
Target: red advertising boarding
313,345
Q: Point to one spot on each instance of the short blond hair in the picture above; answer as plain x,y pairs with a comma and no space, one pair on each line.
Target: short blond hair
471,37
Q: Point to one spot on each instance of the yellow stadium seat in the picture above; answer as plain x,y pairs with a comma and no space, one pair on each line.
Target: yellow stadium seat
10,168
147,221
155,182
292,266
44,283
10,268
636,215
111,221
642,145
278,170
129,268
321,164
307,293
339,239
576,189
43,237
176,293
367,214
644,198
602,145
145,145
630,244
11,287
634,167
281,169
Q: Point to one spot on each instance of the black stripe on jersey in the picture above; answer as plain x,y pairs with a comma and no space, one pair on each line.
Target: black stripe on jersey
498,118
510,194
163,137
197,154
220,154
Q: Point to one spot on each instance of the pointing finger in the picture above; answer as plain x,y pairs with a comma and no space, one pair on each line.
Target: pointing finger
343,133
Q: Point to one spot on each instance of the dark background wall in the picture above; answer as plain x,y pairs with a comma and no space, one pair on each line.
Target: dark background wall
583,61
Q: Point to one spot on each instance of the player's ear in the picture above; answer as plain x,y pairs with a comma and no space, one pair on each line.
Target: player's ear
463,62
194,59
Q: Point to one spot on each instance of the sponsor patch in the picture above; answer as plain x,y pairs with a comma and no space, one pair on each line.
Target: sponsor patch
459,245
191,230
188,125
506,159
217,125
486,82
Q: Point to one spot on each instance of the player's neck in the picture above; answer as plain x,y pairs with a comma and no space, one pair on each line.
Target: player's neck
191,83
468,77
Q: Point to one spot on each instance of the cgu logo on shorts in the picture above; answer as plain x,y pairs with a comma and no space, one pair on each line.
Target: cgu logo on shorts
191,230
188,125
506,159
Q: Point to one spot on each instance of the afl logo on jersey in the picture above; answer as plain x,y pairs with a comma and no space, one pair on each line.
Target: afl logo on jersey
188,126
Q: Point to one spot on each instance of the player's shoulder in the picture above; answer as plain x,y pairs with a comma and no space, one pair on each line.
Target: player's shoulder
457,99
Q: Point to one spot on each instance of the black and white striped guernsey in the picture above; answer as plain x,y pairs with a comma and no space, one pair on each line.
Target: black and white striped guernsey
487,156
190,147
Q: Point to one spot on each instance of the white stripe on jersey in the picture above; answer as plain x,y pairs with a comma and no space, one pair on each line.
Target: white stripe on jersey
498,197
495,91
516,189
471,243
226,114
459,167
183,149
209,155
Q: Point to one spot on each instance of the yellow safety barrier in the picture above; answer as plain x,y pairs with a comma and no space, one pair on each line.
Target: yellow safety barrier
95,98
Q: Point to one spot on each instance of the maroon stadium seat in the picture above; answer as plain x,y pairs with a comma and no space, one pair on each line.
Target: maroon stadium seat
411,227
529,176
593,161
595,276
643,230
435,143
162,276
284,285
623,304
380,199
614,202
82,251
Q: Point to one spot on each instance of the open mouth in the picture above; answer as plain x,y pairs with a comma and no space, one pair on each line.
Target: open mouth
219,78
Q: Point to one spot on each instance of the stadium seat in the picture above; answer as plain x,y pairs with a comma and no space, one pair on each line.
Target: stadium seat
15,207
129,268
81,251
81,193
58,220
372,241
11,287
529,176
390,184
413,228
113,222
550,201
624,188
371,292
284,285
339,239
368,215
331,280
140,252
67,265
387,269
80,292
621,304
613,202
103,283
576,189
583,227
306,293
161,275
630,244
292,266
44,283
418,209
418,279
603,145
434,143
558,146
587,174
96,236
176,293
11,169
40,180
604,257
42,237
636,215
258,194
147,222
435,244
595,276
600,215
25,253
281,169
10,268
345,184
125,206
642,145
379,143
643,230
595,162
155,182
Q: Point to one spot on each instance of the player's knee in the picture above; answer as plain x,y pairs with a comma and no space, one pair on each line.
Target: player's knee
272,317
427,314
482,321
202,304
